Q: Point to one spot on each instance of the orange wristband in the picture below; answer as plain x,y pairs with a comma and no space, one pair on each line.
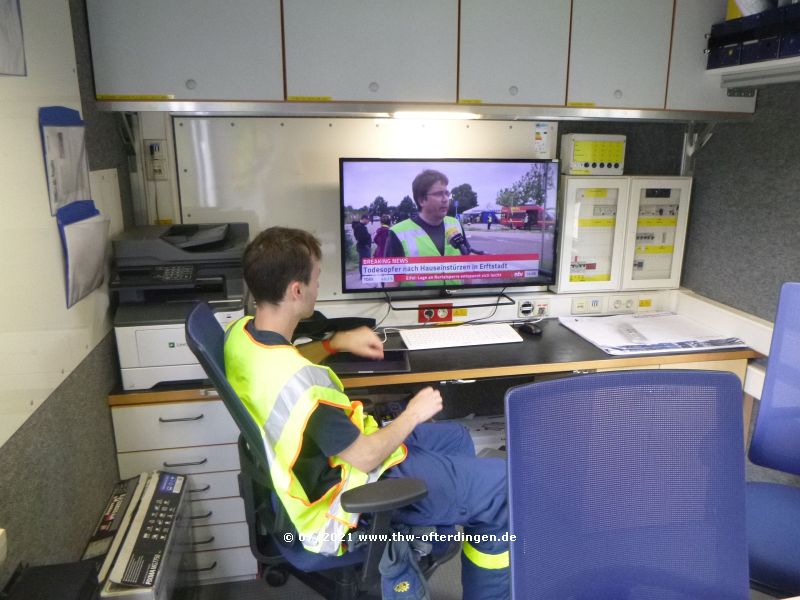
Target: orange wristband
327,345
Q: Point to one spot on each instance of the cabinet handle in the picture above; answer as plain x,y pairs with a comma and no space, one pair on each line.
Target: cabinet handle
197,418
205,516
211,393
200,569
202,489
208,541
186,464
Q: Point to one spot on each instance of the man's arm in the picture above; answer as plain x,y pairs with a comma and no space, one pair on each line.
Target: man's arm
369,451
361,341
393,246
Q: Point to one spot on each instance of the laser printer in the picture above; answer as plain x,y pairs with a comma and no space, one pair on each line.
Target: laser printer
158,273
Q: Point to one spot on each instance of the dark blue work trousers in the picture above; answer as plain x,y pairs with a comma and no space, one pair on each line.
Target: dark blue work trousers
462,490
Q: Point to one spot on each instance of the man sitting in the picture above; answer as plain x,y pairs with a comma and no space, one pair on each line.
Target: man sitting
320,444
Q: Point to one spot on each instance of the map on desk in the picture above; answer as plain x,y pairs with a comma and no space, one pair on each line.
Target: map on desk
623,335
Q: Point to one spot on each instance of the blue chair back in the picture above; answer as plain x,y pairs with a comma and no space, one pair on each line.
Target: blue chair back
206,339
628,485
776,437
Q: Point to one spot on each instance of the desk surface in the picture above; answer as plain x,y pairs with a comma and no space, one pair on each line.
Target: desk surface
557,350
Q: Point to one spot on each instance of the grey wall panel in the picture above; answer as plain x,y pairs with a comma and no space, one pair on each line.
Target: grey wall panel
57,470
744,227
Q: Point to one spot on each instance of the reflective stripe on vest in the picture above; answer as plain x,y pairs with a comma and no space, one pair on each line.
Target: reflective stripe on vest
485,560
416,242
281,390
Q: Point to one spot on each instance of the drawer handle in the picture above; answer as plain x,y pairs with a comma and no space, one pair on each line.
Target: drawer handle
208,541
205,516
201,569
203,489
212,393
197,418
186,464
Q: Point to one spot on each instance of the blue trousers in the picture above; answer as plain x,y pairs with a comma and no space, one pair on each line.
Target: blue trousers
462,490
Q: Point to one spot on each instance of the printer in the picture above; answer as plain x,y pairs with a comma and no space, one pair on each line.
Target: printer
158,273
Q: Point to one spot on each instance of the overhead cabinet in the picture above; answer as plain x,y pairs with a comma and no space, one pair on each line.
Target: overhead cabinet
619,51
186,49
514,52
371,50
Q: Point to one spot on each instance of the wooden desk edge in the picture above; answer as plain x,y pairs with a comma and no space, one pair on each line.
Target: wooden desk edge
197,394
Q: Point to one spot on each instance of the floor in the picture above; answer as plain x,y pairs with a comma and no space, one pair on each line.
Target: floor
445,585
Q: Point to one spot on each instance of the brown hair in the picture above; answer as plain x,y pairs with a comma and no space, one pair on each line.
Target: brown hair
275,258
424,181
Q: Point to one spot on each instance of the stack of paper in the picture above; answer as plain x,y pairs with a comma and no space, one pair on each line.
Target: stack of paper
648,334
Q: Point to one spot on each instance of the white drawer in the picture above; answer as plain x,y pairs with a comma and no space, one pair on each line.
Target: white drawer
214,537
220,564
172,425
213,485
203,459
215,511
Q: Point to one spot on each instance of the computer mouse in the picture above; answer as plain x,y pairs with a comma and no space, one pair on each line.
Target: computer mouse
530,329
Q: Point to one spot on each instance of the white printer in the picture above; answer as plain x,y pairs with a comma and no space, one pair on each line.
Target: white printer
159,273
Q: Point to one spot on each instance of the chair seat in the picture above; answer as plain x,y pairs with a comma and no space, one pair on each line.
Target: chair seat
310,562
773,536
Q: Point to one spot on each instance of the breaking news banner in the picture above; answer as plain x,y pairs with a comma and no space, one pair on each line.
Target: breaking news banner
438,268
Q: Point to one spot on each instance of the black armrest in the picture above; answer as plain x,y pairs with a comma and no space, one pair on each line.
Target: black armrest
383,495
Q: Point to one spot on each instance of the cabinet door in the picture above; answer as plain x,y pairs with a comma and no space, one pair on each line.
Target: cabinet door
186,49
658,214
369,50
619,51
690,86
514,51
591,246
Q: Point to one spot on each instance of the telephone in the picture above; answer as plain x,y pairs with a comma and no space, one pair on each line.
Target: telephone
141,536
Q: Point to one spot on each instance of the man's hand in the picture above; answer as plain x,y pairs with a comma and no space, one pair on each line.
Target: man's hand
424,405
362,341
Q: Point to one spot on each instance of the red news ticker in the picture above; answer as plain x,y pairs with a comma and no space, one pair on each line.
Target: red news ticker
469,258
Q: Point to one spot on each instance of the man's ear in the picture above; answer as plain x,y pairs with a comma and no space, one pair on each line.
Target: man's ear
294,290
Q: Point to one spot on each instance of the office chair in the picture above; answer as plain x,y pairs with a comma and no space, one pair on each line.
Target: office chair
352,575
627,485
773,510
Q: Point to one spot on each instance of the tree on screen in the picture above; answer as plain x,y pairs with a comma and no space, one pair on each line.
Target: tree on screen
465,196
531,188
379,206
406,208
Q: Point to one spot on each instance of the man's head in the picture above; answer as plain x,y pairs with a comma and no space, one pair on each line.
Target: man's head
365,219
279,258
431,195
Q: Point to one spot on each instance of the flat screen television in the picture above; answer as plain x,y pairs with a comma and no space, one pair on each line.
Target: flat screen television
427,224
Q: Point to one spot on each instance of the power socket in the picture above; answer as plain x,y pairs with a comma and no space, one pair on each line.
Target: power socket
533,308
435,313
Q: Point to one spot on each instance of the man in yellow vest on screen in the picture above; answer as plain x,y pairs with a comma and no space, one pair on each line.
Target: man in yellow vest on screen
430,232
320,444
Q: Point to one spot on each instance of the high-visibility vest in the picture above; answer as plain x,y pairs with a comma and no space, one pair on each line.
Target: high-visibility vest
280,389
416,242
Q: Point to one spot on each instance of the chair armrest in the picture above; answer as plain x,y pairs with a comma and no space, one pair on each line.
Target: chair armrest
383,495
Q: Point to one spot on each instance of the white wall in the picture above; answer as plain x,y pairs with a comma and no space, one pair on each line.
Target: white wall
41,341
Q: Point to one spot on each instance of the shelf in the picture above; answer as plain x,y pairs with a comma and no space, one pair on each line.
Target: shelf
781,70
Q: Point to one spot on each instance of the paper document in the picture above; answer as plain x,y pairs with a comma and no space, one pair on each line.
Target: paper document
621,335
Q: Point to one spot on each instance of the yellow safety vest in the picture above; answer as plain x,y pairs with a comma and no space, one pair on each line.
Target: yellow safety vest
416,242
280,389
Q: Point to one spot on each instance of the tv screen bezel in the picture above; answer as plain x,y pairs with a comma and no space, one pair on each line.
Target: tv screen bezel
454,289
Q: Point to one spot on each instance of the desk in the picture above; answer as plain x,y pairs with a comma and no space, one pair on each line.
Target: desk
189,429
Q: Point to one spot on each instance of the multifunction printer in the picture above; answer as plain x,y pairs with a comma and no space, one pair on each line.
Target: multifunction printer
158,273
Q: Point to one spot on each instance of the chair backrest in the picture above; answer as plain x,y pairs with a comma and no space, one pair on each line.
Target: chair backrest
628,485
206,339
776,437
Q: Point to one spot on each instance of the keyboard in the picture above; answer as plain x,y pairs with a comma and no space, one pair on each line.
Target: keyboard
454,336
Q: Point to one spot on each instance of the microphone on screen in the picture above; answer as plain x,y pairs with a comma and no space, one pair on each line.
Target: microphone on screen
459,242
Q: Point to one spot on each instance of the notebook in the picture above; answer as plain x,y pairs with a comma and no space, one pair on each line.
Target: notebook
344,363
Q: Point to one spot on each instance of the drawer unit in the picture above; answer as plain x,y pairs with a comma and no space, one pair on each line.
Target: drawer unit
200,459
213,565
216,537
216,511
174,425
213,485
